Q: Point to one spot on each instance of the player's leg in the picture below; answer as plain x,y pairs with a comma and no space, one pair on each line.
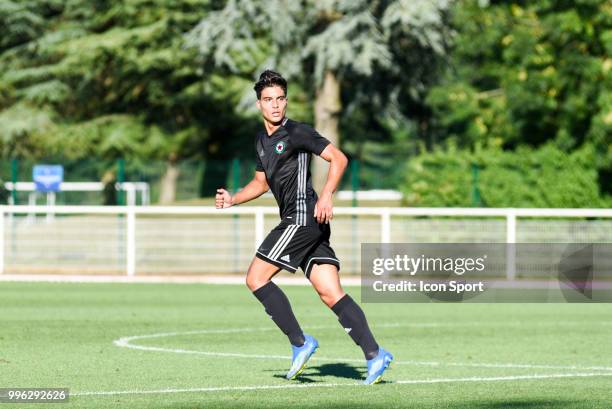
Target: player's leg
279,250
260,273
274,300
326,281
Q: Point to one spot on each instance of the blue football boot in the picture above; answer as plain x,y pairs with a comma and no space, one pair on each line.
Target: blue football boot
377,365
301,355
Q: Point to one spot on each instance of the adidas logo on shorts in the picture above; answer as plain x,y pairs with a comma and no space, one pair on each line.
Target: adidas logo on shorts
286,258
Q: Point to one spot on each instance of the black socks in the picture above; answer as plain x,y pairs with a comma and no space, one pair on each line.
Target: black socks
278,308
349,314
353,320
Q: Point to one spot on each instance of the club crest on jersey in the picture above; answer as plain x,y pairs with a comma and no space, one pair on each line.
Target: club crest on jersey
280,147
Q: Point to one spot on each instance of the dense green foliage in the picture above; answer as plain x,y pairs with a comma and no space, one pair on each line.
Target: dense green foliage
527,73
107,79
384,53
534,79
162,80
542,177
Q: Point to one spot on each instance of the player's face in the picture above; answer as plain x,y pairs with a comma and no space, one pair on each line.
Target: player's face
272,104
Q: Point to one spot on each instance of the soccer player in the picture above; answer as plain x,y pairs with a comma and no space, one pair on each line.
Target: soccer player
283,152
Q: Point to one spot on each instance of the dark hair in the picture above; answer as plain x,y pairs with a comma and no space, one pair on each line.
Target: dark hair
270,78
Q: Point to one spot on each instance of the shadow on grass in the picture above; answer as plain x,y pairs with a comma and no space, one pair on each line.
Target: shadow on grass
339,370
381,396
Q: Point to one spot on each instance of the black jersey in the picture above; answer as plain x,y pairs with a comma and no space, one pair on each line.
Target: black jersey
285,158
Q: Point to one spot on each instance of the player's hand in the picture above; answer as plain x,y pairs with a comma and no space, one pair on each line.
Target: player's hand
323,210
223,199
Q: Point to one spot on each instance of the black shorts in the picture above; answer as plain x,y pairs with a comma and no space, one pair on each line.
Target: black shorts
289,246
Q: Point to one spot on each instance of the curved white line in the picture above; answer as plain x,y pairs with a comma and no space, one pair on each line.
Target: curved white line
126,342
334,385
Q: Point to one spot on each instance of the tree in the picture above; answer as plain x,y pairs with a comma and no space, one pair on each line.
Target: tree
105,79
330,44
529,73
526,73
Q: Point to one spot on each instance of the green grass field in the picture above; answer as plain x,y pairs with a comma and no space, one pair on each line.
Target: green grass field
207,346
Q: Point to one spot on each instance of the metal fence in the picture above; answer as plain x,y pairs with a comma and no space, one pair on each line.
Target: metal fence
196,240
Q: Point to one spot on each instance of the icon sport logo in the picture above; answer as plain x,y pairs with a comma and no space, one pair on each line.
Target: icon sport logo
280,147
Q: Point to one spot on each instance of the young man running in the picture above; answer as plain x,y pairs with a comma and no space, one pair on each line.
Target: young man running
283,152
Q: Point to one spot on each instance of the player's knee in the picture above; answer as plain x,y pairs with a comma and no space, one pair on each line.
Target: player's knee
331,298
251,282
327,300
254,282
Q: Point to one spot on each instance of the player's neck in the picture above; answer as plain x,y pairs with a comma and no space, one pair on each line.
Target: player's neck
271,127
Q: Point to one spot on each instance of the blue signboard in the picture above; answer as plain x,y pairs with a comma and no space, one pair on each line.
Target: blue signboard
48,178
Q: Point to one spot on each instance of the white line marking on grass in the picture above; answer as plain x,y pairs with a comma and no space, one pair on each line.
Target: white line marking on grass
333,385
506,365
126,342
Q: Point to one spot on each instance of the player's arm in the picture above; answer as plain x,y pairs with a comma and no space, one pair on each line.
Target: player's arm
337,164
255,188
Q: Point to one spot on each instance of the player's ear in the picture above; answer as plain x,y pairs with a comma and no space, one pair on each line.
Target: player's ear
258,104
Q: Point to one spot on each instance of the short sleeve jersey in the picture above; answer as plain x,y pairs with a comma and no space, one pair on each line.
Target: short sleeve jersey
285,158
